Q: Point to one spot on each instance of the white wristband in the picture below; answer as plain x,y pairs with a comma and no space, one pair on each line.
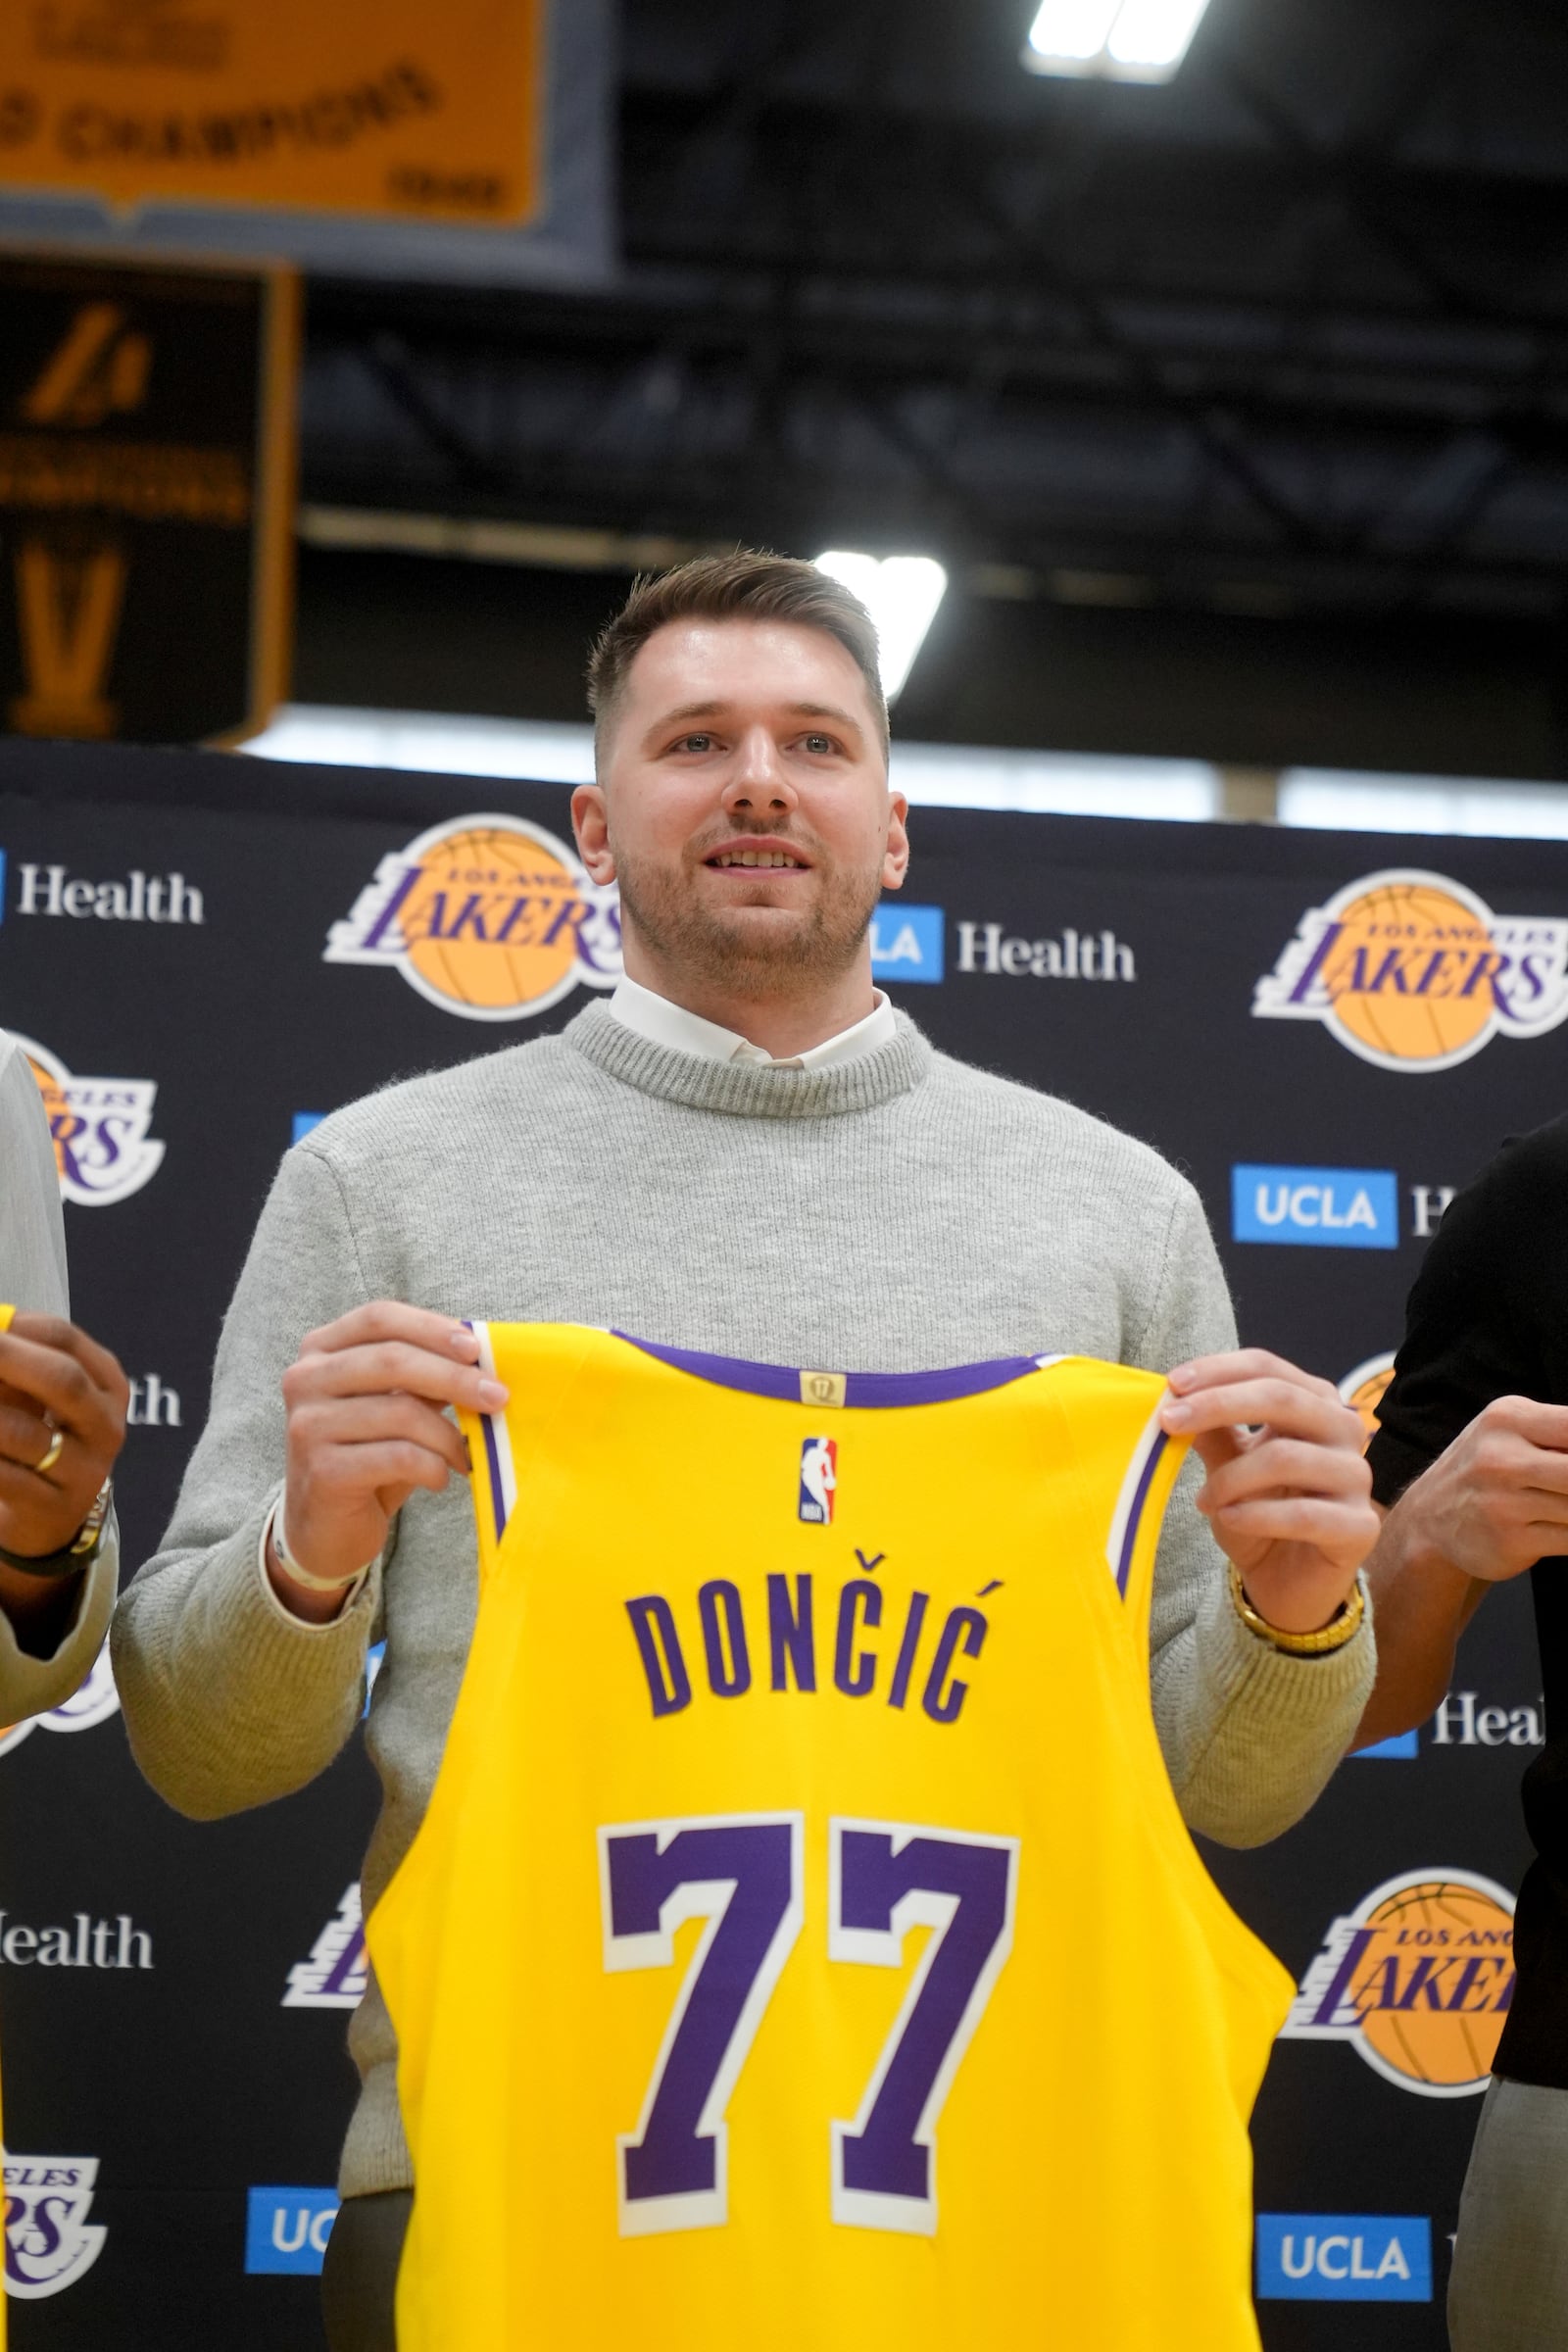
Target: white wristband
274,1530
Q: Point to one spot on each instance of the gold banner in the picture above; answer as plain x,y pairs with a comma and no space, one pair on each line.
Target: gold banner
147,415
388,109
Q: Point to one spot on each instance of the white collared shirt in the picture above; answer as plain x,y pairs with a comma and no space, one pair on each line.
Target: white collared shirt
666,1024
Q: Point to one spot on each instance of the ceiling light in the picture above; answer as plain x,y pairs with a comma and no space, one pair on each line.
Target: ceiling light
901,592
1154,33
1070,30
1124,40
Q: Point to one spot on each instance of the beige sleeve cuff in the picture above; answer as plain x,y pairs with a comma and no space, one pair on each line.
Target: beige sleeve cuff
1277,1727
32,1685
229,1700
351,1590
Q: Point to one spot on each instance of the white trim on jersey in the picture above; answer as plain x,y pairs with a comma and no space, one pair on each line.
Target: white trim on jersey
1128,1515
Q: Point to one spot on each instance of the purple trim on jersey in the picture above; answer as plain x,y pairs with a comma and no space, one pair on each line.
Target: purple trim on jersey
862,1390
1129,1541
492,1455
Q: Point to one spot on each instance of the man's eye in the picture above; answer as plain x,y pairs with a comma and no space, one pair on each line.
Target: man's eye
820,743
695,743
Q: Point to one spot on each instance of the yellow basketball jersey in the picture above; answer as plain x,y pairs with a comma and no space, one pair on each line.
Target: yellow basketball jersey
803,1946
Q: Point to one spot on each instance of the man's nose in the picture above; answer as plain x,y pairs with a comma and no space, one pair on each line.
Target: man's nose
758,782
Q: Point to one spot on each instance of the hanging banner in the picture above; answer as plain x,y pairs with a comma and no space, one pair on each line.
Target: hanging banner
369,106
377,136
147,423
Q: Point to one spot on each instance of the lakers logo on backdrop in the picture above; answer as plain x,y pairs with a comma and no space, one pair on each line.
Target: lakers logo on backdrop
1419,1977
1364,1390
334,1975
1413,971
100,1130
489,917
49,2241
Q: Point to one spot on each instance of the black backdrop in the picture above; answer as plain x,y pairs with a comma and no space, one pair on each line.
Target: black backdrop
189,2082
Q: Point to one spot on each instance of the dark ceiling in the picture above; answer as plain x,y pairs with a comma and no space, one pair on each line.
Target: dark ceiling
1286,335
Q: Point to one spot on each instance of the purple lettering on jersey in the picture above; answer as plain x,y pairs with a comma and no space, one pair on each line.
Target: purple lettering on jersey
964,1630
677,2151
670,1686
728,1674
898,1688
790,1633
886,1880
854,1675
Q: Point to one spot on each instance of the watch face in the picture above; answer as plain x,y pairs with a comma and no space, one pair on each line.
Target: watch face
71,1557
90,1533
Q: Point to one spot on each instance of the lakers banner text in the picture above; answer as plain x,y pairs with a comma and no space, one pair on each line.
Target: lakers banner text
393,109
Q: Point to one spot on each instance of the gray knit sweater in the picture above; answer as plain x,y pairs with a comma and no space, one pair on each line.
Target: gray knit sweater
894,1213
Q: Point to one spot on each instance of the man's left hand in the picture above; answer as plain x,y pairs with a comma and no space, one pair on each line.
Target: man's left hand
1288,1494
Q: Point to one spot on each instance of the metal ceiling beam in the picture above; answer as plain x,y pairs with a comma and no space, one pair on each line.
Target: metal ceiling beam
1313,366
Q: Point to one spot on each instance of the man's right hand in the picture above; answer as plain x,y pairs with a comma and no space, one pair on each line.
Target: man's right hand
365,1428
1496,1500
1488,1508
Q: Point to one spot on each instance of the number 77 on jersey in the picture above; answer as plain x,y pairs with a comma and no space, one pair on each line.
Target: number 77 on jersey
742,1875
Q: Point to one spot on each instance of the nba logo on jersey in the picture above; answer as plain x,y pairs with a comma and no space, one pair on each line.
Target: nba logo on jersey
819,1476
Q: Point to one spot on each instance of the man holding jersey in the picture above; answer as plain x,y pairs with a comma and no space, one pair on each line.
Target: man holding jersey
748,1152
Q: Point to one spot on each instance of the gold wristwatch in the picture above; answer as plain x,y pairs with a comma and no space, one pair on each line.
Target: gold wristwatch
72,1558
1340,1628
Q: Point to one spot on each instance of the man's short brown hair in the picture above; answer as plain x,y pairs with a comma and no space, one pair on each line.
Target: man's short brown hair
747,585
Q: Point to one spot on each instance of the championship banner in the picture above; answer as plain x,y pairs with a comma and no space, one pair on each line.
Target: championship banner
1327,1036
147,461
377,137
381,107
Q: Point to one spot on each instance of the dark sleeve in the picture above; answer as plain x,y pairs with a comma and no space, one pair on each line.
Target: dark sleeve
1474,1319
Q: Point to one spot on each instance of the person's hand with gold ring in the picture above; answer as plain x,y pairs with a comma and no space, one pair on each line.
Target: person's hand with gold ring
63,1403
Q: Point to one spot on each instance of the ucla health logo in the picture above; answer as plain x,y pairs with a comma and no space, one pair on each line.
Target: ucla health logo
286,2229
1316,1209
93,1703
1343,2258
335,1975
50,2243
1419,1977
487,916
1411,971
819,1478
100,1130
907,942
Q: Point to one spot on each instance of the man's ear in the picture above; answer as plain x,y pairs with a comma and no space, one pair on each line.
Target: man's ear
895,861
590,821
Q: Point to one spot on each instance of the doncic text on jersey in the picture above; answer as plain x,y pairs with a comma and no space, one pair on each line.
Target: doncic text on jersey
802,1634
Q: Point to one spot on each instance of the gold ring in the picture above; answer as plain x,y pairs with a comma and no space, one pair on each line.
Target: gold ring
56,1445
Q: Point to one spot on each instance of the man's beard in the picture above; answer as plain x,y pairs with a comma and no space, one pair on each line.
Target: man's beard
725,950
